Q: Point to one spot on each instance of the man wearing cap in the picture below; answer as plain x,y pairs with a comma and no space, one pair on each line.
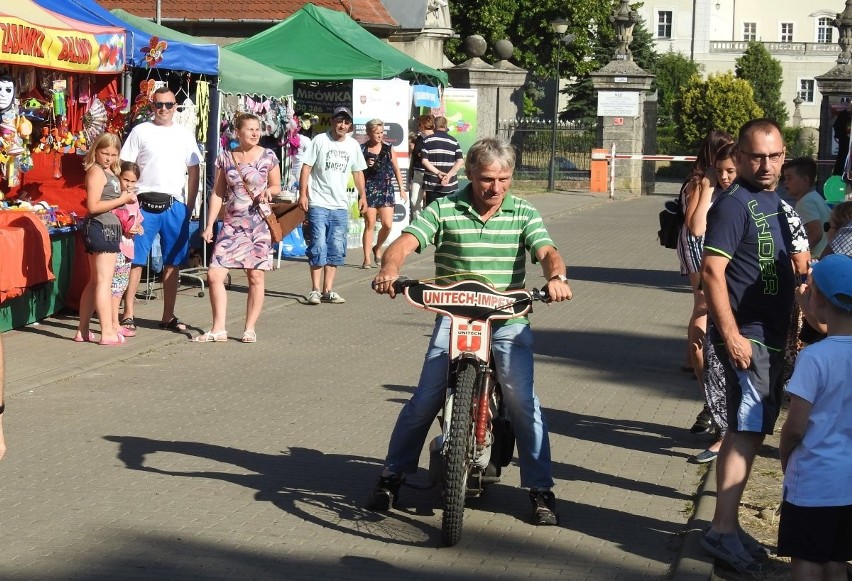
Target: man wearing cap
816,515
328,162
747,274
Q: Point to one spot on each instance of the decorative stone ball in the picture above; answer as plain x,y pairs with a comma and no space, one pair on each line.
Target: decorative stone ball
503,49
475,46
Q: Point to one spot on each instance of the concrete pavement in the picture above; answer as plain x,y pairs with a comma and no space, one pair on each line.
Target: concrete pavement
167,459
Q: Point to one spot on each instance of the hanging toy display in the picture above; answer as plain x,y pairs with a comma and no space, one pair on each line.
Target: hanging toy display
59,108
95,120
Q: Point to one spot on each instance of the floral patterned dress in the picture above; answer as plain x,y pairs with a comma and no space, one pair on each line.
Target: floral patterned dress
244,241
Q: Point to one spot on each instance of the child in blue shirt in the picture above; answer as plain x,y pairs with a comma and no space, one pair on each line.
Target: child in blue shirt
816,515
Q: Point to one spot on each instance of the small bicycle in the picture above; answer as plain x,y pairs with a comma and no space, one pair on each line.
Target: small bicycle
477,439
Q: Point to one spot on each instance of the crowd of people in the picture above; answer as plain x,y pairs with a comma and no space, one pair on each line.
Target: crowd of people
771,286
755,264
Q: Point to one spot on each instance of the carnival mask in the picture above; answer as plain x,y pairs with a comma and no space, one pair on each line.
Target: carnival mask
7,93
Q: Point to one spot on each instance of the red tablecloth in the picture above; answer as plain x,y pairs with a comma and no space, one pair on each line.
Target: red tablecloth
24,253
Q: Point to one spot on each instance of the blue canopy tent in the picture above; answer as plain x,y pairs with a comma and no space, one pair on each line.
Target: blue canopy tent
180,56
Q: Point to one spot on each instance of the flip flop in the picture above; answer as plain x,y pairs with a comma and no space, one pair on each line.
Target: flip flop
126,331
81,339
174,324
129,323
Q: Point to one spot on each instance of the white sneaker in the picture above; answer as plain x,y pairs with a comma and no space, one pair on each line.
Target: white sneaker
314,297
333,298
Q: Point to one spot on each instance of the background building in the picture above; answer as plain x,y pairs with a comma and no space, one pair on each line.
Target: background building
714,33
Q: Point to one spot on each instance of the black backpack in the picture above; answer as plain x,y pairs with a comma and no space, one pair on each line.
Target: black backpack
671,221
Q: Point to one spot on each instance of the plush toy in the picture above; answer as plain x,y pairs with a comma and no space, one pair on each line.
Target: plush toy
81,144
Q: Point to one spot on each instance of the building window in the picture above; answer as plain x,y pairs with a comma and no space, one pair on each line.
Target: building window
664,24
786,32
825,30
806,90
749,31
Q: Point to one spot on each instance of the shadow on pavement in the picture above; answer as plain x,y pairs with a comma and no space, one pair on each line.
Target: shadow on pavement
310,484
639,277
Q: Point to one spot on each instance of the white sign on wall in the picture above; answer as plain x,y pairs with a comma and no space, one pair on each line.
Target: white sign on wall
618,104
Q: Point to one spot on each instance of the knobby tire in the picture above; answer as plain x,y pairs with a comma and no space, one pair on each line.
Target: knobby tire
459,453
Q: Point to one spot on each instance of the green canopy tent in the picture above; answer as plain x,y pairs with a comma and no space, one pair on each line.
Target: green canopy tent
237,74
318,44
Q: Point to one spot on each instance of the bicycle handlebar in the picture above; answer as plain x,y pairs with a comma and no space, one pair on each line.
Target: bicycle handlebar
403,281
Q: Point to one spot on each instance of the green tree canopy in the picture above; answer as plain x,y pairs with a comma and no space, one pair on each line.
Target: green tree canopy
722,101
765,76
673,72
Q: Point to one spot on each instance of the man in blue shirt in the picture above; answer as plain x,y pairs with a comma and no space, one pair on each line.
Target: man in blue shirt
747,275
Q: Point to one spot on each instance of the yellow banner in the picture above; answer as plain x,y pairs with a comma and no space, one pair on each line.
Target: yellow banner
66,50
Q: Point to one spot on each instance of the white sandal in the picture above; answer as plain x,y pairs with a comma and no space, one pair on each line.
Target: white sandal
249,337
211,337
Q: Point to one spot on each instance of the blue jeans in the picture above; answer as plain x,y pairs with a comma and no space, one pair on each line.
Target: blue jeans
512,346
328,236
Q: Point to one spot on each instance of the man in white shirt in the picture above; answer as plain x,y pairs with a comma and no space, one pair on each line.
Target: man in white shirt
328,162
165,152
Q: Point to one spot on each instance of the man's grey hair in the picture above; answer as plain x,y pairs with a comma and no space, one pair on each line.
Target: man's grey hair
486,151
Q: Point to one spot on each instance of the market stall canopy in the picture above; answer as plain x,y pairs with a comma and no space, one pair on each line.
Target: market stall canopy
318,44
32,35
199,57
237,74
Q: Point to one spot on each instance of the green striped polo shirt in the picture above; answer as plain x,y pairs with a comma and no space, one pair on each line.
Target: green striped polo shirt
494,249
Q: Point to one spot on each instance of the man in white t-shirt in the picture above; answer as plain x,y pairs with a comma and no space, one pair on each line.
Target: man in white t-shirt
328,162
165,152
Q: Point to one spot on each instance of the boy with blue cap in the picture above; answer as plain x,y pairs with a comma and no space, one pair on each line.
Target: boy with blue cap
816,514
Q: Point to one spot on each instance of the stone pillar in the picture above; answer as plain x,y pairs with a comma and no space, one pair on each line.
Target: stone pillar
499,87
836,89
629,119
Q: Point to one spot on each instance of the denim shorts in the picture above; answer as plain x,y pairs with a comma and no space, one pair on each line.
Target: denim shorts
95,240
329,229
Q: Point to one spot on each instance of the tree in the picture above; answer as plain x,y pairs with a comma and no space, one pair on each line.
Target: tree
584,103
765,76
526,23
722,101
673,73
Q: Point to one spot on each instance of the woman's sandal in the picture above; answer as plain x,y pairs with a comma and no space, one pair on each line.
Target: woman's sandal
249,337
174,324
119,340
78,338
128,323
211,337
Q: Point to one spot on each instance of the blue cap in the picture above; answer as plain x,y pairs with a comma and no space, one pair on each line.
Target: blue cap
833,277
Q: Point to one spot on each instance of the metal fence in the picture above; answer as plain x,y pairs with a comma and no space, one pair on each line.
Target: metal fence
532,140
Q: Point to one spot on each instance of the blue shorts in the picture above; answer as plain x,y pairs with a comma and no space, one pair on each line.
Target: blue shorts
173,228
754,394
97,241
329,229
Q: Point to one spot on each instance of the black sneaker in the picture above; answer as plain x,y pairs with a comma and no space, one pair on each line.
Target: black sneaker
544,507
703,422
385,494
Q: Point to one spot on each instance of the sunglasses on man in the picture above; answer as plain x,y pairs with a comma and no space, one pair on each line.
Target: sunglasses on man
166,104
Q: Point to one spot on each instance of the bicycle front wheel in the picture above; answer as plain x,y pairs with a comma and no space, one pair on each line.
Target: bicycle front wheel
459,452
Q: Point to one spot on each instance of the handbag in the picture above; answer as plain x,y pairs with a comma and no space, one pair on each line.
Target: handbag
275,232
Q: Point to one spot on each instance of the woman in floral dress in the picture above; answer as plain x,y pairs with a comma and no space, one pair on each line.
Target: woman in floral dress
247,178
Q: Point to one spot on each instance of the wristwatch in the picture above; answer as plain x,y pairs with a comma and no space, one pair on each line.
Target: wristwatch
560,277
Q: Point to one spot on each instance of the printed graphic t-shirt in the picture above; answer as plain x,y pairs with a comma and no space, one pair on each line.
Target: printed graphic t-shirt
332,162
750,228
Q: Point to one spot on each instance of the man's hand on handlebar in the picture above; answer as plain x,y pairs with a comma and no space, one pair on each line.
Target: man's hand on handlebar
383,283
558,291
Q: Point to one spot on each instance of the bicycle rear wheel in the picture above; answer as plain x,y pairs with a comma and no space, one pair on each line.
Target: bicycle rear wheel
459,452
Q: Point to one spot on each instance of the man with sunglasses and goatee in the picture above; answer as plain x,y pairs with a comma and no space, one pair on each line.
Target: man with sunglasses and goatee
166,152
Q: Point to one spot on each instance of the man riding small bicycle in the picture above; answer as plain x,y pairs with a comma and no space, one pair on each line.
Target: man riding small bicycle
481,229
